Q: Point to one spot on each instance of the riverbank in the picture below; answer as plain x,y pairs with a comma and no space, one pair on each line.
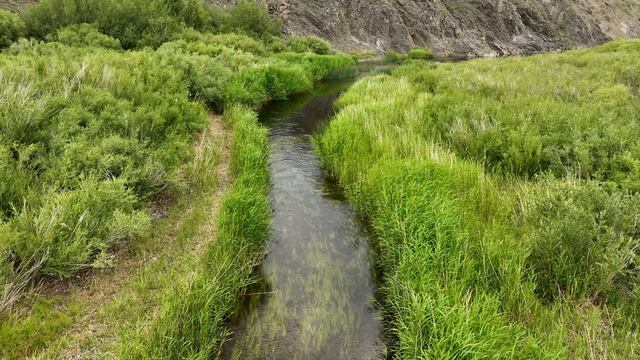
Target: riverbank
500,232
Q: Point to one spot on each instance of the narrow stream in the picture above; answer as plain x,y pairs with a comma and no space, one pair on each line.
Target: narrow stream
316,297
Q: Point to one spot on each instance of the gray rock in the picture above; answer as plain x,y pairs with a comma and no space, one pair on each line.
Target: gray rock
460,28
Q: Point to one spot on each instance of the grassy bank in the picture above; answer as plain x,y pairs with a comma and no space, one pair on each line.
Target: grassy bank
502,198
192,323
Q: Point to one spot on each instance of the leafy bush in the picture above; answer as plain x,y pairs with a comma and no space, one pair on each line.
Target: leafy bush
133,23
249,17
237,42
11,28
84,35
312,44
275,44
584,240
418,53
88,134
394,57
72,227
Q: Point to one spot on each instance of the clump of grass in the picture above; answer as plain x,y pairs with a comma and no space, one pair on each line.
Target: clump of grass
420,53
312,44
551,119
394,57
84,35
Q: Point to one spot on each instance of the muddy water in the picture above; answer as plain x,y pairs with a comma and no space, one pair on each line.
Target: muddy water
316,297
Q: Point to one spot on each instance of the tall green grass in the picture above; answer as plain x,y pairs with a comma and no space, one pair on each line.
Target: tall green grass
478,261
91,135
193,322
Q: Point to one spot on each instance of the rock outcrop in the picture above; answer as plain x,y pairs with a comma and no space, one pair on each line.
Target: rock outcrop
460,28
454,28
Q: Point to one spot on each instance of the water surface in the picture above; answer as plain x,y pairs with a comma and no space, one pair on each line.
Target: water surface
316,297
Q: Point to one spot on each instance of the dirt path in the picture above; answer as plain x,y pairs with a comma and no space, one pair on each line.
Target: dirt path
128,294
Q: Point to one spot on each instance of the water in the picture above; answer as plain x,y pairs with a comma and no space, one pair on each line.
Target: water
316,299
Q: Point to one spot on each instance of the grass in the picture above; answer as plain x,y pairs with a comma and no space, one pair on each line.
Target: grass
91,315
491,243
98,117
192,324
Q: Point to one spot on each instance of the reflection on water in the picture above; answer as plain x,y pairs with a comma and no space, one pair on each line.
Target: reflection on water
316,298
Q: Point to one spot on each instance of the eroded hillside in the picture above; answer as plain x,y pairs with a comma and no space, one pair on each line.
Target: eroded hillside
461,28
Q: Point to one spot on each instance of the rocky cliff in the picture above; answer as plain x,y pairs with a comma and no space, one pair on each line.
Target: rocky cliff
454,28
460,28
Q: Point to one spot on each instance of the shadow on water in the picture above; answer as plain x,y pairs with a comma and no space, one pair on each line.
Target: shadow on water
316,297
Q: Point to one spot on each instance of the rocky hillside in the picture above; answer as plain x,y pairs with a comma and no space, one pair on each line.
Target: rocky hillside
461,28
455,28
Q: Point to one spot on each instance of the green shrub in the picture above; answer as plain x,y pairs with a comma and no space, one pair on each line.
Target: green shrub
72,228
583,240
192,13
275,44
312,44
133,23
84,35
237,42
69,114
394,57
418,53
11,28
249,17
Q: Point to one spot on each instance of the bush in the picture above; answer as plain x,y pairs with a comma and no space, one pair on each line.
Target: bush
133,23
275,44
84,35
312,44
418,53
249,17
237,42
72,228
11,28
583,240
394,57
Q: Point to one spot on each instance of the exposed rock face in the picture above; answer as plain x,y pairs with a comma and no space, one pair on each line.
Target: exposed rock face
455,28
460,28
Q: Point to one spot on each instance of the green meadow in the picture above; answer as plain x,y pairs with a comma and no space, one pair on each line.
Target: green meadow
502,194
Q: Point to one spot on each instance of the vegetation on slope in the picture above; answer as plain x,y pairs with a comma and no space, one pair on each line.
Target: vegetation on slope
91,135
502,194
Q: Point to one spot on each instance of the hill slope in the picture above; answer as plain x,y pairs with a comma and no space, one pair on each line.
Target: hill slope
461,28
455,28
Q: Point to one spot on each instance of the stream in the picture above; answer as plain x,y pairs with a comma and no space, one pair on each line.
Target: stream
317,289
